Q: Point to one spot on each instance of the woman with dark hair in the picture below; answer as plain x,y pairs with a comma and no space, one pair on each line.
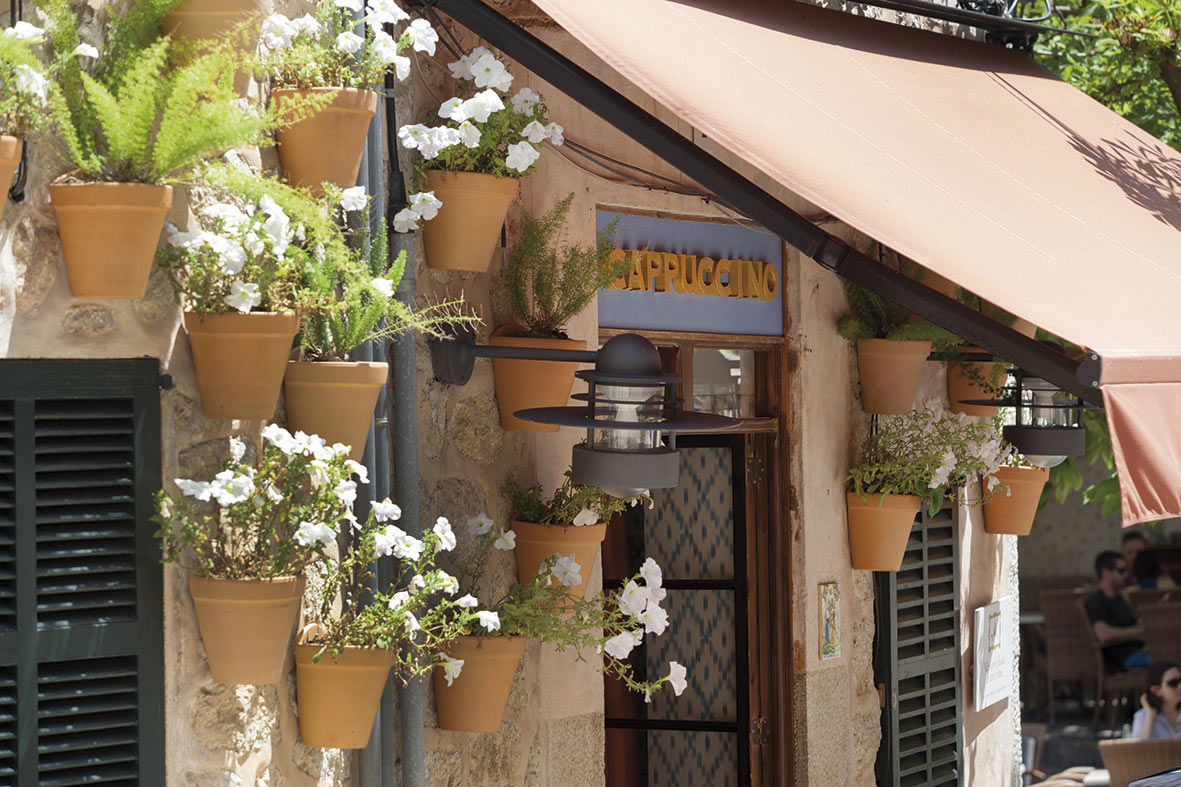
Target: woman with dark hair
1148,572
1160,709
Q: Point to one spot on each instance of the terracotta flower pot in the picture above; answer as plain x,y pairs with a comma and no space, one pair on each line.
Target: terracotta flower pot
197,20
334,399
338,698
536,543
878,533
890,373
960,386
1012,511
246,625
109,233
475,701
10,159
523,384
240,360
463,236
327,146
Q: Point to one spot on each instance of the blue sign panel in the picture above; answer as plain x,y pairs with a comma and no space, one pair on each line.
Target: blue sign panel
700,276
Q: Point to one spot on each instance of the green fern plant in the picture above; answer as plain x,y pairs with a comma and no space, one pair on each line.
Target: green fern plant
873,317
547,282
136,119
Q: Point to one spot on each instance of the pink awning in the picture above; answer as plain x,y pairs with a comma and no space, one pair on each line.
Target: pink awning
967,157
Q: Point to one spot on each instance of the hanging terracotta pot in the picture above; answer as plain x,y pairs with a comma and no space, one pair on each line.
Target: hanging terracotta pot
890,373
10,159
522,384
199,20
338,696
475,701
334,399
465,233
1012,511
536,543
878,533
109,233
327,146
246,625
964,385
240,360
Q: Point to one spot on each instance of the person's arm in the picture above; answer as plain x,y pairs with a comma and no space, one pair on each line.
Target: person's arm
1108,634
1144,720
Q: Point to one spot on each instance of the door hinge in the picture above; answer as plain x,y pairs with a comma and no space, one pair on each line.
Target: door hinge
756,469
760,731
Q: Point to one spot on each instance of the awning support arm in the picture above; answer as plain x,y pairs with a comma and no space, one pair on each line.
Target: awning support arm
755,203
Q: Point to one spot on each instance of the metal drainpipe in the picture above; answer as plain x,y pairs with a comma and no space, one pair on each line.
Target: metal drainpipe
403,420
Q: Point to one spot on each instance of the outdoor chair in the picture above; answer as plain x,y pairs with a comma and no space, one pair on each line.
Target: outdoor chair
1033,736
1068,642
1139,598
1108,686
1162,631
1127,760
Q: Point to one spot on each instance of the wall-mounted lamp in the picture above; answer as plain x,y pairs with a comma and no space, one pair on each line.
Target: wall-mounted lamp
631,405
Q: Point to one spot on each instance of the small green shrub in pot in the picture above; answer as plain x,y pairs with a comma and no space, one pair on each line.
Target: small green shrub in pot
25,95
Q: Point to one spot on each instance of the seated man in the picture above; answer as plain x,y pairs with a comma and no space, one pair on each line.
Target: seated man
1113,621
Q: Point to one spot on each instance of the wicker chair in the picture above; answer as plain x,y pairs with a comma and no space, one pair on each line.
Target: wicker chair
1068,642
1127,760
1108,686
1162,631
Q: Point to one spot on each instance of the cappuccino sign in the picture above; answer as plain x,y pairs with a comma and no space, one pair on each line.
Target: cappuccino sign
699,276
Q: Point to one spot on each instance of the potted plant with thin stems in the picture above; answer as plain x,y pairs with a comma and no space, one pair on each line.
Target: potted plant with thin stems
1014,504
472,162
969,379
892,347
247,535
24,97
473,683
356,634
572,521
548,283
908,459
131,123
341,61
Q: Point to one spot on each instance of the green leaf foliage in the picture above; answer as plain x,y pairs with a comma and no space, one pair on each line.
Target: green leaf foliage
873,317
549,282
21,110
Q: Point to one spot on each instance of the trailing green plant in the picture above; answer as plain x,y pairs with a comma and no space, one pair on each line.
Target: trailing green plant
570,504
333,49
611,623
136,119
25,90
549,282
260,521
873,317
928,452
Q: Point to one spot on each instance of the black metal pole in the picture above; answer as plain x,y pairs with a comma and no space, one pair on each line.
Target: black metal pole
745,196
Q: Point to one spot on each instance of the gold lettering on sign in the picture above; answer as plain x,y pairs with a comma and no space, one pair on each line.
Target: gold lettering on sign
688,274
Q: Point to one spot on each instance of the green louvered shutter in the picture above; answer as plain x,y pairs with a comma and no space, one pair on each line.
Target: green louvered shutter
917,659
81,622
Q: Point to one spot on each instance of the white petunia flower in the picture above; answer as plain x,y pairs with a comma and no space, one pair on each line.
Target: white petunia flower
32,83
413,135
521,156
468,601
228,488
677,677
555,132
384,541
401,66
425,204
469,134
462,68
417,582
383,12
310,533
452,109
354,198
237,449
524,101
190,488
357,469
232,257
279,437
385,511
633,599
25,32
567,571
447,583
505,541
421,36
487,71
352,5
85,50
585,517
383,286
306,25
273,493
451,667
480,524
405,220
348,42
277,32
620,646
446,535
489,620
480,106
346,492
399,600
654,618
651,573
535,132
243,296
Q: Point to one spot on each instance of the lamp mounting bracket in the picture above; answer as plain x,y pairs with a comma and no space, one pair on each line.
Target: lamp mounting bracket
454,356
